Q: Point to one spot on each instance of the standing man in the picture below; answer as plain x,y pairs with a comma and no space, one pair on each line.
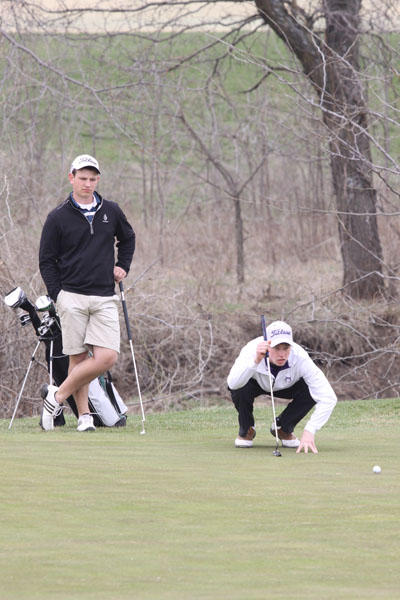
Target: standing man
78,265
294,376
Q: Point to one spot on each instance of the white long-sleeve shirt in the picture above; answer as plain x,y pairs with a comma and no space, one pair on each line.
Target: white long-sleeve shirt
300,366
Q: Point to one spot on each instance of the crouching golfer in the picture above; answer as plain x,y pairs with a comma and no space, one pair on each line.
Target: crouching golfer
294,376
77,263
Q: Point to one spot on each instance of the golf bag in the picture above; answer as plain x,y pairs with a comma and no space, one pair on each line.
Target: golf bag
105,404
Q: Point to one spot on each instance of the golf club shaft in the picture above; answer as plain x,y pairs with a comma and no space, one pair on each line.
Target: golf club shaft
51,362
264,328
128,329
137,382
272,401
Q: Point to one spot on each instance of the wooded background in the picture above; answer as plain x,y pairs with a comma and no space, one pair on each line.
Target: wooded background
254,147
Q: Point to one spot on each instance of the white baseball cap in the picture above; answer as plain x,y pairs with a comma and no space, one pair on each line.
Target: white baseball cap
279,332
82,161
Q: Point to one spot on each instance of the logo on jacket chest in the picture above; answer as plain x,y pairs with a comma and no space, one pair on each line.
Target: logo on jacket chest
105,218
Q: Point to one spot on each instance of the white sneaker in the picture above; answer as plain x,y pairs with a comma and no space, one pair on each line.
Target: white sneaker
51,408
85,423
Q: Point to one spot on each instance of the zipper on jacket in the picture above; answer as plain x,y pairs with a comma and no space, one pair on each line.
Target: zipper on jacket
94,216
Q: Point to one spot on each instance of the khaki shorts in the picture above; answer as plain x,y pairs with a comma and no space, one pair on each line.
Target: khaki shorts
88,321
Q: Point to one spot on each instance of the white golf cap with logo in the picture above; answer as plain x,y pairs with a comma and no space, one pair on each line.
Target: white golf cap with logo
279,332
82,161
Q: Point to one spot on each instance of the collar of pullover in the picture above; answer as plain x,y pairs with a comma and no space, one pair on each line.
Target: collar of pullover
275,369
91,210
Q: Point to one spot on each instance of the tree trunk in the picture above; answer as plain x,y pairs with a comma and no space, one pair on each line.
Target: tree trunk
345,116
239,242
356,201
332,68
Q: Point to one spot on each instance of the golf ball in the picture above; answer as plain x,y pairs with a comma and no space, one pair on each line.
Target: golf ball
377,469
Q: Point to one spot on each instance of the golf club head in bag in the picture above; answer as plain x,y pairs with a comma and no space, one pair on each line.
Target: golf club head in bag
45,304
15,299
50,323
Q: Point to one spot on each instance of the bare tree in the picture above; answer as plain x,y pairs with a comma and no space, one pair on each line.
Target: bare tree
325,37
234,189
330,59
224,147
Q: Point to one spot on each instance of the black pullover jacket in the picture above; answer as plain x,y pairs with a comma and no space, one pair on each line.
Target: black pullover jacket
78,256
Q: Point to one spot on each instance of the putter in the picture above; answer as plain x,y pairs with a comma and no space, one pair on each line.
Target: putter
128,330
264,328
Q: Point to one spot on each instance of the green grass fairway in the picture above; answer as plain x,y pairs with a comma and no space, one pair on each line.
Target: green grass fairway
181,514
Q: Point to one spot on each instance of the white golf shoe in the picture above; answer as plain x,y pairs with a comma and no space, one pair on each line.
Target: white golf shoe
85,423
51,408
247,441
289,440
